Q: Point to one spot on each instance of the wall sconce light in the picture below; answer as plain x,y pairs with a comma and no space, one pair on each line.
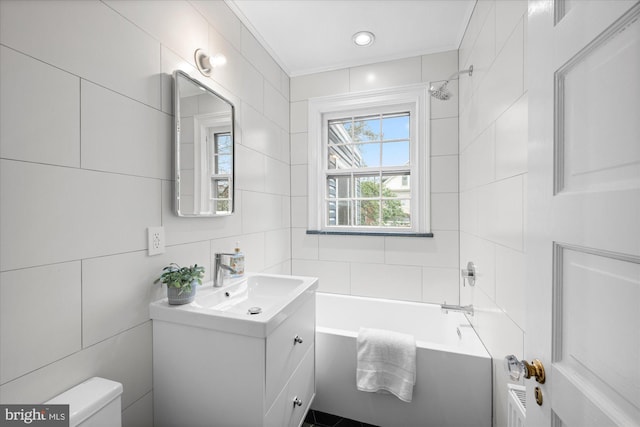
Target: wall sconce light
206,63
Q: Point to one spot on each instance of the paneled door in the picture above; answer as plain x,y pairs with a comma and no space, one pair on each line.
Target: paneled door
583,212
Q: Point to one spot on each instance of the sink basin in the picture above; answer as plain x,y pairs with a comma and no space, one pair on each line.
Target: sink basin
253,305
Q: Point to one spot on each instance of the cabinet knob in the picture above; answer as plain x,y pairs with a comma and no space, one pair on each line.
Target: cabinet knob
297,402
297,340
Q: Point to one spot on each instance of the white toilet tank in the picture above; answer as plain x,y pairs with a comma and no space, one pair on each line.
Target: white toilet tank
93,403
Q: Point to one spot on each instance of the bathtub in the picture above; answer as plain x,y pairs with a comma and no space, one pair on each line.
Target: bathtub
453,380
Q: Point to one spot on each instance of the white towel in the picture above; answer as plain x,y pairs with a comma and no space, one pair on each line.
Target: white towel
386,362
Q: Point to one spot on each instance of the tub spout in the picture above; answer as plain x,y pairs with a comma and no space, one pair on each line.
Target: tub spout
467,309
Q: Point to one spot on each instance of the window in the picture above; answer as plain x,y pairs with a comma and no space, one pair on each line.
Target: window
220,152
368,163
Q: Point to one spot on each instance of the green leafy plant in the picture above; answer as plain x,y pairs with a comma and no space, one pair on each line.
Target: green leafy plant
181,278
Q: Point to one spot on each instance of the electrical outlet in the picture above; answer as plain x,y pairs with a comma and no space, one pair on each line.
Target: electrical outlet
156,240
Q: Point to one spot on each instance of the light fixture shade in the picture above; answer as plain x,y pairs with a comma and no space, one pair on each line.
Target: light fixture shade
363,38
206,63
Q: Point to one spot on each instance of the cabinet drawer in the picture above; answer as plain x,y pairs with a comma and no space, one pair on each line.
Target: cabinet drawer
284,352
285,412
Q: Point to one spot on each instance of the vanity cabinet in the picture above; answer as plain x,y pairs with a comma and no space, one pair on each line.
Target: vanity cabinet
208,377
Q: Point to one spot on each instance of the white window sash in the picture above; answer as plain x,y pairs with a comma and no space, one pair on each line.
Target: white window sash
415,99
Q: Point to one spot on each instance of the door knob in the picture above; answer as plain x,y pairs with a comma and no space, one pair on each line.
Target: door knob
521,368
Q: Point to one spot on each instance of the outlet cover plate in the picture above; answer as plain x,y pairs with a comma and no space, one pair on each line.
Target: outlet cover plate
155,237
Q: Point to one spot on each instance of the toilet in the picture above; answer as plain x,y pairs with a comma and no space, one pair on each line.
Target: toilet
93,403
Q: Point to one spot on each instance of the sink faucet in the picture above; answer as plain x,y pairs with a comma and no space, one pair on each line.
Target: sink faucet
219,266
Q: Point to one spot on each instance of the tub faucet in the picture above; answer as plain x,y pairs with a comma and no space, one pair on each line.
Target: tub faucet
218,270
467,309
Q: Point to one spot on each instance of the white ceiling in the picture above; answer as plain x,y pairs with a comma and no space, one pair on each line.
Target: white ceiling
308,36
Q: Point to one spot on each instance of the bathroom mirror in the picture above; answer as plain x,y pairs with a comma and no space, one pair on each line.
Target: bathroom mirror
204,149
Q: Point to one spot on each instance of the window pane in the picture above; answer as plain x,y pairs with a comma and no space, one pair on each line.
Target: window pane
366,129
340,157
338,213
396,213
367,186
395,127
367,155
338,187
219,188
367,212
340,131
222,165
395,153
396,186
223,143
223,206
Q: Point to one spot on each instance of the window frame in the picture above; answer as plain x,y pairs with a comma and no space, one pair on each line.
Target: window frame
415,100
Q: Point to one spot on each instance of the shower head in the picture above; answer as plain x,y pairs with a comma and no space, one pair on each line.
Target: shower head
442,93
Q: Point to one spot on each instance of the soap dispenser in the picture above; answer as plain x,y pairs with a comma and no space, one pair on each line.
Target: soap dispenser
237,262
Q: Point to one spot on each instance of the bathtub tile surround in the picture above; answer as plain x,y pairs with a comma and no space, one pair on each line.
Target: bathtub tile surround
85,143
408,268
493,170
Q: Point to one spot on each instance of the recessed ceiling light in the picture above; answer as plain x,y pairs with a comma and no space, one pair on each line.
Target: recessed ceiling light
363,38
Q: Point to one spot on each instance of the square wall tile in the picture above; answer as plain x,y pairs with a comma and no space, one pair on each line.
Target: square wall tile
261,212
508,213
277,246
260,58
477,161
140,413
127,61
444,211
186,230
277,177
222,18
299,148
444,136
303,245
351,248
40,317
124,136
299,116
112,305
175,24
386,281
508,14
438,251
510,283
39,111
449,108
439,66
319,84
299,180
276,106
484,51
440,285
259,133
444,174
249,169
512,140
385,74
299,207
333,275
87,213
125,358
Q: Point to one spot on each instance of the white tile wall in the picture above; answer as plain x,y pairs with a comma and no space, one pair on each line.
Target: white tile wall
86,142
493,168
40,313
49,133
422,269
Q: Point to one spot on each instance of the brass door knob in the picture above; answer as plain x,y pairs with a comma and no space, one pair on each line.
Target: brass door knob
521,368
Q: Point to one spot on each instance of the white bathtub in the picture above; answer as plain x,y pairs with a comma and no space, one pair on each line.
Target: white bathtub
453,384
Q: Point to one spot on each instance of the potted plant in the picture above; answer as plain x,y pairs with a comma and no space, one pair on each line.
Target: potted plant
181,282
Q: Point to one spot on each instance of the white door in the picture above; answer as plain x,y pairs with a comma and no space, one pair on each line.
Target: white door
583,212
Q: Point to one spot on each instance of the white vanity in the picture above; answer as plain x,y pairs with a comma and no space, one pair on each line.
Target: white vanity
216,364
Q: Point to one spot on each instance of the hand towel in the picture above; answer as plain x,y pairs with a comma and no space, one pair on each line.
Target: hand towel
386,362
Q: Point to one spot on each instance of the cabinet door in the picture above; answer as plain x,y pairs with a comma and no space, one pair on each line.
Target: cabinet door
284,351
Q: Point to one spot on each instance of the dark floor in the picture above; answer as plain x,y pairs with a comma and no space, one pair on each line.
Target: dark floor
321,419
